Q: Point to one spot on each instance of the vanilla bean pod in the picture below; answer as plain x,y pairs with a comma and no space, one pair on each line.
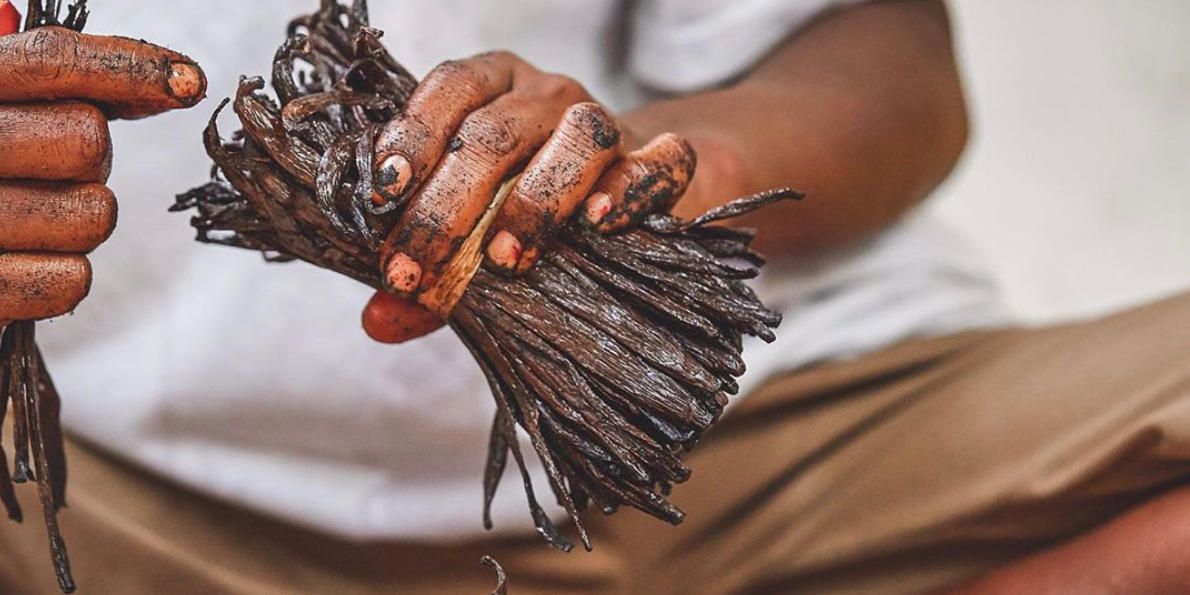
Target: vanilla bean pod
614,354
37,437
501,578
25,384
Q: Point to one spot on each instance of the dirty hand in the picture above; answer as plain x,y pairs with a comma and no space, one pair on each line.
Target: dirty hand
474,124
58,89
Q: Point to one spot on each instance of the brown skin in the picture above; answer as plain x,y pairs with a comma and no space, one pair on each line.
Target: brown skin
864,111
56,154
63,217
65,141
42,285
129,79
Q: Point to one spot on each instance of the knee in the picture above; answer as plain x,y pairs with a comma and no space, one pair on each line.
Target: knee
1160,531
1142,551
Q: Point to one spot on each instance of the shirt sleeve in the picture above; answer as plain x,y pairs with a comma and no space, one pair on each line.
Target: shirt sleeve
685,45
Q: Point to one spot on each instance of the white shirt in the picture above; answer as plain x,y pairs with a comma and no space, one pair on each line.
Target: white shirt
253,382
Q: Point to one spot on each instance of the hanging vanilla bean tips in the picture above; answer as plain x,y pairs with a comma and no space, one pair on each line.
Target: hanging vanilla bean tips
501,578
614,354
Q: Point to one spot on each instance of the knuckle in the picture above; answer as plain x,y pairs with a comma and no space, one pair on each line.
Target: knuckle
49,52
90,116
533,199
490,134
406,135
540,219
95,142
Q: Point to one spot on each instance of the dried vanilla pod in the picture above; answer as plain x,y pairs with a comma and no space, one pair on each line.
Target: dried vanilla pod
501,578
614,354
39,453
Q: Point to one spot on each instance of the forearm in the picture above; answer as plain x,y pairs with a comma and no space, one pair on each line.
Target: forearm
863,111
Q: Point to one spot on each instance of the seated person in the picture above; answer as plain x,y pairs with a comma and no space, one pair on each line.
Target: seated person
230,432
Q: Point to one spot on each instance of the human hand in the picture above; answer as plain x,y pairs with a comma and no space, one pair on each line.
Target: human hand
58,89
472,125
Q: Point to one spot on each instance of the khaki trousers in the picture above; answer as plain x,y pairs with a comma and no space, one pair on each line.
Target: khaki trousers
905,471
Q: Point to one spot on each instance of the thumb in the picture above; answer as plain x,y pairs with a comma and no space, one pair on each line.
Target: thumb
393,319
10,18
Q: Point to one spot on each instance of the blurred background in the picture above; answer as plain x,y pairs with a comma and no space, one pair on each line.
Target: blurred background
1076,185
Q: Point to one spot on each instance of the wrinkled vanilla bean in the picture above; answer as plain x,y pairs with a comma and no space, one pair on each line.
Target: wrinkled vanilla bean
614,354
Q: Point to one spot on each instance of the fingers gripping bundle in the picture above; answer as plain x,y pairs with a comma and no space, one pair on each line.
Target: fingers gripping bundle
614,353
25,384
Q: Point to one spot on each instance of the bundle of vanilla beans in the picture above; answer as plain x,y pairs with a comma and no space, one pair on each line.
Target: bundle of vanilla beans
614,354
25,385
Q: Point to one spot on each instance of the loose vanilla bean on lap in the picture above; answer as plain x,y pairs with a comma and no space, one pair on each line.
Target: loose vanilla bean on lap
614,353
501,578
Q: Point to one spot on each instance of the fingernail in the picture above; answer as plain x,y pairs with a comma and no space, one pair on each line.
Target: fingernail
404,274
186,82
504,250
393,175
598,206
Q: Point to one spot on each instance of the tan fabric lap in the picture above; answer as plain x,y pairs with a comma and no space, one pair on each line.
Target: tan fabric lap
130,533
903,471
914,468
